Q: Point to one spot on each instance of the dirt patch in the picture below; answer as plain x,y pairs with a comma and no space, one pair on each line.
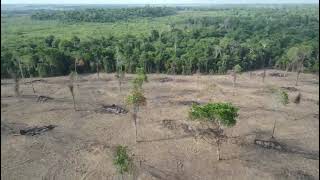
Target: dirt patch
113,109
187,103
312,100
7,129
181,80
36,130
275,145
35,81
170,124
292,89
3,105
162,98
174,125
287,174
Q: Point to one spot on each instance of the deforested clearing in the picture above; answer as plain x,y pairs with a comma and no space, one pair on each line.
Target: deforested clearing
168,145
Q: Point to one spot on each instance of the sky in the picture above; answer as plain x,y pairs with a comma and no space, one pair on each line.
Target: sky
153,1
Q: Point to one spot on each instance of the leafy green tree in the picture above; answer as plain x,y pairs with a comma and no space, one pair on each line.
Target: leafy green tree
136,99
220,114
298,55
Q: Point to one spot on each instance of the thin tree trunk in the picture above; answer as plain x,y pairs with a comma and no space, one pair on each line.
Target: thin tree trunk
298,74
34,91
20,67
71,88
234,82
158,67
75,65
234,79
207,67
264,74
98,70
287,69
274,127
218,150
74,102
16,85
135,117
120,83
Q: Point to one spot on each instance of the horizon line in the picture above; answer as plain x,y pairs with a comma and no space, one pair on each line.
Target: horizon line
156,3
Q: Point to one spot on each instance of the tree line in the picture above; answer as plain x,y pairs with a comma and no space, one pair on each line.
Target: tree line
103,15
252,39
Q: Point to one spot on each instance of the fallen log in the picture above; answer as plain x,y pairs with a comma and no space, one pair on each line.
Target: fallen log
36,130
269,144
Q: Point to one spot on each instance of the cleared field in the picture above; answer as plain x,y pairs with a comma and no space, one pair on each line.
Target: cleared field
82,144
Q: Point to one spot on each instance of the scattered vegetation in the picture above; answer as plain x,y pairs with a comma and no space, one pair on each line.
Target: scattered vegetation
122,160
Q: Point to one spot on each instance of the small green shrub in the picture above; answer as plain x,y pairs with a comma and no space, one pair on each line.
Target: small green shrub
225,113
136,98
140,78
237,68
284,98
122,160
142,74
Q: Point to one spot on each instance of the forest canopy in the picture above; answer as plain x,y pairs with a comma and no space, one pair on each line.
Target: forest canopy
103,15
253,38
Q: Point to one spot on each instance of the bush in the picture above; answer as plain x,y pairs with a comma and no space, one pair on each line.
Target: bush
237,68
139,79
283,97
225,113
142,74
136,98
122,160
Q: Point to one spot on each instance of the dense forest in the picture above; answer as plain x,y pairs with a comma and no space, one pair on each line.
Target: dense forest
253,38
103,15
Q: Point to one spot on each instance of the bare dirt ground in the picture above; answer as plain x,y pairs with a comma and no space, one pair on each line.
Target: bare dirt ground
82,145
